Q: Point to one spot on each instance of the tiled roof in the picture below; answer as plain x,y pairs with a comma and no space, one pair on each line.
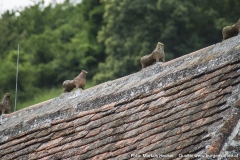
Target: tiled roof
182,107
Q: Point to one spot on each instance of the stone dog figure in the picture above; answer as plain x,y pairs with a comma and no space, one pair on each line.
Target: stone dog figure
230,31
78,82
156,55
5,104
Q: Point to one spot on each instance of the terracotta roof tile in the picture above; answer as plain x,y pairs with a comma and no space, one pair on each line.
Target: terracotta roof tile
185,106
17,141
45,138
101,156
65,132
50,144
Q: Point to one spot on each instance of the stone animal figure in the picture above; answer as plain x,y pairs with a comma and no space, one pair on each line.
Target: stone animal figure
5,104
78,82
156,55
230,31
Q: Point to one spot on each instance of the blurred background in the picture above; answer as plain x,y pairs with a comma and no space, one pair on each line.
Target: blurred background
105,37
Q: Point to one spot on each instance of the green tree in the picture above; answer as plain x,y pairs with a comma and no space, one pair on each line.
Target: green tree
57,42
133,27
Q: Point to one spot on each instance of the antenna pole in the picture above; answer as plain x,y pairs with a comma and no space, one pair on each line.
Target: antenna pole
16,80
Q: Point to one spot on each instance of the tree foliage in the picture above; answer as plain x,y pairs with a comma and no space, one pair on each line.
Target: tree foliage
56,43
105,37
132,29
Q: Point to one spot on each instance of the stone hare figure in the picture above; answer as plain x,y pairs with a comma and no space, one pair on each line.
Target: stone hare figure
156,55
78,82
5,104
230,31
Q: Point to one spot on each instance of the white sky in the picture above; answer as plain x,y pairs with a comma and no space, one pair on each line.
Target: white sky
17,4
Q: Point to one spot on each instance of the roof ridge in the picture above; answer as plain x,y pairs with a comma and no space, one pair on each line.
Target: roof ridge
184,107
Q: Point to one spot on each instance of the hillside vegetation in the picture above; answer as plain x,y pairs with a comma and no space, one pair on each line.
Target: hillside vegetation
105,37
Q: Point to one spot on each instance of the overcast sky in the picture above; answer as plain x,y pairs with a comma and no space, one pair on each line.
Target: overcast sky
16,4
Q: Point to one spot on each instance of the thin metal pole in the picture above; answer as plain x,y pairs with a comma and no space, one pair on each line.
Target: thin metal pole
15,107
